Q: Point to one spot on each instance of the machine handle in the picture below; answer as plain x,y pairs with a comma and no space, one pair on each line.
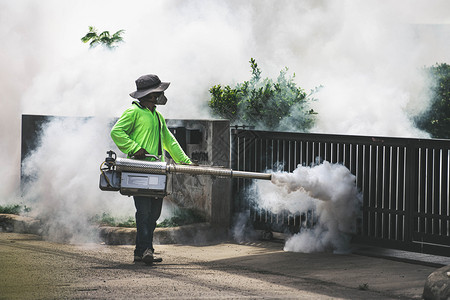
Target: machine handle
157,158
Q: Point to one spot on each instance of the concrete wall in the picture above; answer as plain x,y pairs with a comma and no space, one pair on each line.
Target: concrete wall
205,141
208,143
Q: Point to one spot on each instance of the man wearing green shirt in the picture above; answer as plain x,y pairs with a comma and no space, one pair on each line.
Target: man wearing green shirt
140,132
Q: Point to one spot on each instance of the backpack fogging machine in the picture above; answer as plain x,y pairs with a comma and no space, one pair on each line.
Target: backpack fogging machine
134,177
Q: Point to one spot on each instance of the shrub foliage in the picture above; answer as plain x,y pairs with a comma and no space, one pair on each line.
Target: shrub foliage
436,119
264,103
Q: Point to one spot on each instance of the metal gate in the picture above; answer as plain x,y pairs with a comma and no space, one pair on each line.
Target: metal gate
404,183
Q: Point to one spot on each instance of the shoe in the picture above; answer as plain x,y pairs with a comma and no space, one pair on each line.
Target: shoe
137,258
147,258
157,259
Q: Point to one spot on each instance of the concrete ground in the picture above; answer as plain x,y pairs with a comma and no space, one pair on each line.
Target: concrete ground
32,268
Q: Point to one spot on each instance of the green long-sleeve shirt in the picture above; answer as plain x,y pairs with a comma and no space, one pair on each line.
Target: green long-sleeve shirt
138,128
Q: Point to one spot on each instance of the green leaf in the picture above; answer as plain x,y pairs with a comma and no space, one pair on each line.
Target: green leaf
104,38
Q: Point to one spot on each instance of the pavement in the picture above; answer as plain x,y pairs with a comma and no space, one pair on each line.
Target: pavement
210,267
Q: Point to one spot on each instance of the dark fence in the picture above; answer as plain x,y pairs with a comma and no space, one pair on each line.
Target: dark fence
404,183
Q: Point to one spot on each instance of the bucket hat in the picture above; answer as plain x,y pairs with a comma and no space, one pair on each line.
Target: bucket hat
147,84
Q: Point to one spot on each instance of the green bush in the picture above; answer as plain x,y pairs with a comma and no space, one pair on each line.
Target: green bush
105,219
181,216
436,119
13,209
264,103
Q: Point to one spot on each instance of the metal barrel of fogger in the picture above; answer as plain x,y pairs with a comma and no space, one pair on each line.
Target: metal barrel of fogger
216,171
142,166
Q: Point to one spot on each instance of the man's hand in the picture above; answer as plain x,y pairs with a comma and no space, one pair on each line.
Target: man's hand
140,154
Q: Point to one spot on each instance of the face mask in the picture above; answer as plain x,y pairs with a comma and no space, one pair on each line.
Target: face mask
161,100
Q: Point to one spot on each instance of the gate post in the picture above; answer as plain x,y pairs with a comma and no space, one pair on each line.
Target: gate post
411,192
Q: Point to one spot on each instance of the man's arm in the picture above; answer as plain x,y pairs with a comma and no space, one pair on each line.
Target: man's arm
121,131
172,146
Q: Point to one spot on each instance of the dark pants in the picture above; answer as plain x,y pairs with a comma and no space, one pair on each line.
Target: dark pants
148,210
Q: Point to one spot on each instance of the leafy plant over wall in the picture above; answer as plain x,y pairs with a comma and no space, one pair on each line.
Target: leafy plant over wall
265,103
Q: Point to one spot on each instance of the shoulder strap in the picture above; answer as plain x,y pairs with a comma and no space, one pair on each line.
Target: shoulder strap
159,130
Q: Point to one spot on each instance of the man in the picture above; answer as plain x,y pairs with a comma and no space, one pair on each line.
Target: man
140,132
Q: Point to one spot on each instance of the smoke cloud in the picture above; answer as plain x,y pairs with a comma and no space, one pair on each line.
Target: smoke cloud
63,186
328,191
367,55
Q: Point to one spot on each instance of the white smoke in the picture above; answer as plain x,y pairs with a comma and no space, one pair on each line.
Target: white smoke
329,191
366,54
63,177
242,230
